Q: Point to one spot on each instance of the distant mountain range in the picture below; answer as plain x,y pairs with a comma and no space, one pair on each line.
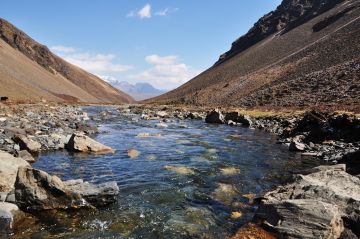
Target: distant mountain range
30,72
139,91
304,54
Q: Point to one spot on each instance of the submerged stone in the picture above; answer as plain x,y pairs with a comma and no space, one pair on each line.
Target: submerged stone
133,153
236,215
229,171
180,169
224,193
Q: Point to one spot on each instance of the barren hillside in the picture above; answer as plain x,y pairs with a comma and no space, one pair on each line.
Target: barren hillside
306,53
29,72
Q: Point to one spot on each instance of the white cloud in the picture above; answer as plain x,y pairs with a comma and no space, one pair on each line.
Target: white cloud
161,60
163,12
166,11
145,12
63,49
166,73
94,63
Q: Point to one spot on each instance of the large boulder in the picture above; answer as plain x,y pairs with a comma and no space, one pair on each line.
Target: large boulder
300,218
236,117
26,143
9,166
97,195
330,186
36,190
215,117
82,143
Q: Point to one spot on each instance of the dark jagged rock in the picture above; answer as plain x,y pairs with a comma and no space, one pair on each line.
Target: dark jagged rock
318,127
215,117
290,14
236,117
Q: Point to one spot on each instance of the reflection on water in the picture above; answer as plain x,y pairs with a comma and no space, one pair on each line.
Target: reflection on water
187,180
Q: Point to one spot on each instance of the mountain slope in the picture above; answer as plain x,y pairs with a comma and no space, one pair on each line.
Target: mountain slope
306,53
30,71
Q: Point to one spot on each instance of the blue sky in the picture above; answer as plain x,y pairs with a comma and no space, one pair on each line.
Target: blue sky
163,42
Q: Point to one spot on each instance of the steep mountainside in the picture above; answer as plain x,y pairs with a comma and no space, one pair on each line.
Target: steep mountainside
29,71
306,53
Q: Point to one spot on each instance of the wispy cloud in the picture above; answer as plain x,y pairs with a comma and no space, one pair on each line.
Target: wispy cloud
63,49
166,11
161,60
146,12
95,63
167,72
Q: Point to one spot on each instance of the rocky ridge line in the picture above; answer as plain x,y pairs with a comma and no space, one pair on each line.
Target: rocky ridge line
288,15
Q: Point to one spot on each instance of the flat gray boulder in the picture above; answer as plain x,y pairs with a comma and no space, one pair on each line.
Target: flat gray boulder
301,218
327,187
98,195
79,142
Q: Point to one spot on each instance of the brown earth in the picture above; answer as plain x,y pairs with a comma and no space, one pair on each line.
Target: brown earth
307,55
29,71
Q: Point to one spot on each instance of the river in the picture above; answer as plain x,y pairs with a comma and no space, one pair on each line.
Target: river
186,180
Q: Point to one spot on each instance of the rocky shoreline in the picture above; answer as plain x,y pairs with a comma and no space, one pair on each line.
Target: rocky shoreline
26,130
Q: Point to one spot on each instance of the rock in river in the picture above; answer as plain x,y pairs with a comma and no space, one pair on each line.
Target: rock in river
82,143
215,117
97,195
36,190
238,118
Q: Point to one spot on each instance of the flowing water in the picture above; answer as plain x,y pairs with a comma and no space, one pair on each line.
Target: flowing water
189,180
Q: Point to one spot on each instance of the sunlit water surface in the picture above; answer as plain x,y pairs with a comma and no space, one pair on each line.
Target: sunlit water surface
189,180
